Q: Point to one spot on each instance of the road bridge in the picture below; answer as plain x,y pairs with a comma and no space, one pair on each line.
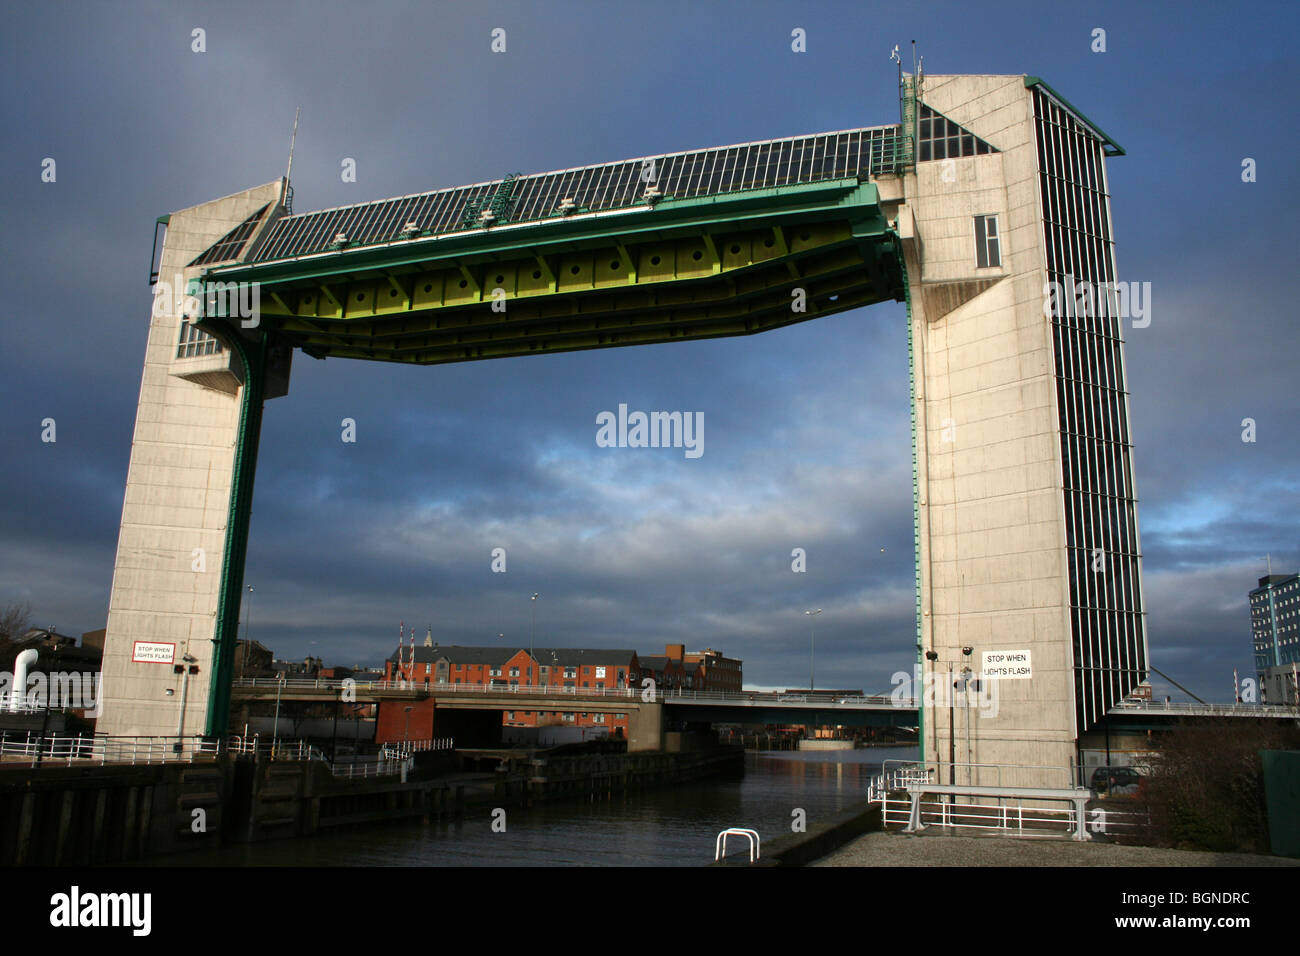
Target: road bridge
647,712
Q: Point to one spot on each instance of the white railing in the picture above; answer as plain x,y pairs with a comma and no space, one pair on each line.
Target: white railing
1195,709
399,751
16,703
720,844
900,774
372,768
1011,817
35,749
682,695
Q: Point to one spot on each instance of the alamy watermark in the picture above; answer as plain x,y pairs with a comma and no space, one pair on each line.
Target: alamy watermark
945,689
241,300
651,430
74,690
1081,298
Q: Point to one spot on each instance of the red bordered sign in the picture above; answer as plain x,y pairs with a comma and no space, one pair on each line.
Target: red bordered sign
153,652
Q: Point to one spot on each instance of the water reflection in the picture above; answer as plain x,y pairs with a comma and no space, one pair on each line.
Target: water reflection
674,827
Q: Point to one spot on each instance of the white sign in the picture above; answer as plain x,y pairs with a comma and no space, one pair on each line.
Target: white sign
150,652
1007,665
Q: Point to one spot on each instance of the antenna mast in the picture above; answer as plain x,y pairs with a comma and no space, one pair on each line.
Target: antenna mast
288,173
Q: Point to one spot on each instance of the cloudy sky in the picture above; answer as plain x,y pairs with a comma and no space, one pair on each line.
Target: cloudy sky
807,430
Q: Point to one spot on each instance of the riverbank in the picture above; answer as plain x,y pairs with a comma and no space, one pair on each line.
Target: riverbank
892,849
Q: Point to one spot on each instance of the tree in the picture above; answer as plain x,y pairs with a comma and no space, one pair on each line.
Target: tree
14,620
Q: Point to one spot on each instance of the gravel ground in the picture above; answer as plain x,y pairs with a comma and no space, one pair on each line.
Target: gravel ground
903,849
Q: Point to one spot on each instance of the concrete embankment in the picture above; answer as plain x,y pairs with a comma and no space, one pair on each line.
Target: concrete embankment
938,849
802,849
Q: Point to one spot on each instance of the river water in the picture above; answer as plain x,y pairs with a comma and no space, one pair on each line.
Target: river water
668,827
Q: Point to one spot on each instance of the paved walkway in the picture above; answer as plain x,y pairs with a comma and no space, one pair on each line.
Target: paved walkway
934,849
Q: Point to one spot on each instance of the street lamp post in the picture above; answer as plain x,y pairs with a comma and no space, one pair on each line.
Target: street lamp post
812,650
248,611
334,742
532,635
275,727
952,718
952,729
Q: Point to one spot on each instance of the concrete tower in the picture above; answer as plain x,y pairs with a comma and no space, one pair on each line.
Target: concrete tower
1026,504
172,545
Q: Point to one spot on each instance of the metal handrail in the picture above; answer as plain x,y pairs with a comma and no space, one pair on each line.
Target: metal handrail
627,691
1011,817
149,750
720,844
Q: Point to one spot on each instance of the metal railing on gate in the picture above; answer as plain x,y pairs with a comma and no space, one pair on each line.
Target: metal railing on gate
36,749
67,748
1021,818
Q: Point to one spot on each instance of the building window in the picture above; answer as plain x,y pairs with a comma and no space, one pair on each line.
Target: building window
193,342
940,138
988,253
570,672
514,672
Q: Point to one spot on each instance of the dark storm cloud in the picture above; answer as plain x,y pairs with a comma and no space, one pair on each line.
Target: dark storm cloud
807,430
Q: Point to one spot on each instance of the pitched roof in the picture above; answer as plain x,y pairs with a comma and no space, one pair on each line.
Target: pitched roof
454,654
580,656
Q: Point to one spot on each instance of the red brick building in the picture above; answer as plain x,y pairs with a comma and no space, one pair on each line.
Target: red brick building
558,669
717,673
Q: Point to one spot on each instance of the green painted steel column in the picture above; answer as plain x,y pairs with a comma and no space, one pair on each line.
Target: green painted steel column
253,356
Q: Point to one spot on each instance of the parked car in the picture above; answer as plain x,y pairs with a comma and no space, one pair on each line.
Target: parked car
1116,781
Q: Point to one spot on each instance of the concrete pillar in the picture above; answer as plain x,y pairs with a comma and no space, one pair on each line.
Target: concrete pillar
645,727
65,824
23,838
